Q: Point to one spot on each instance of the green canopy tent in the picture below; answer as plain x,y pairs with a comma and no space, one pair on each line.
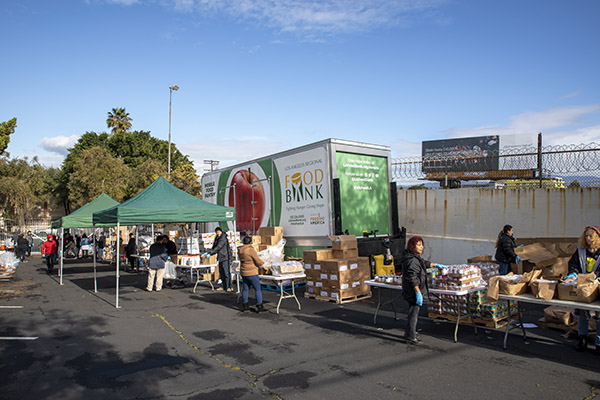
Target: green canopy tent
82,218
161,202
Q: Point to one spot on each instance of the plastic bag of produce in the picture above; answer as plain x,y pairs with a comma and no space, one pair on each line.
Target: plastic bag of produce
273,254
170,271
286,268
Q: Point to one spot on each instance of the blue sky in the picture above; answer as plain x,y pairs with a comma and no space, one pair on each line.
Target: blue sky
261,76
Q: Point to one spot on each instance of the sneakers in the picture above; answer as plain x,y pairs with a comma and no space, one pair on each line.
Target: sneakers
413,341
230,289
219,289
260,308
148,290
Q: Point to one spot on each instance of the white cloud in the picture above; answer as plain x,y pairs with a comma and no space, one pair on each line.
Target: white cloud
229,151
403,148
563,124
59,144
313,16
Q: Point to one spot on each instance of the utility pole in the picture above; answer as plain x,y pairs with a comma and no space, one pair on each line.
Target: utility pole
213,164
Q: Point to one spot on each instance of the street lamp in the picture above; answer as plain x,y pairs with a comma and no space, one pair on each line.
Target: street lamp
171,88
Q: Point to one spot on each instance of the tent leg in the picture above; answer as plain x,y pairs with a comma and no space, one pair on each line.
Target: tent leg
152,241
118,262
237,275
62,241
95,250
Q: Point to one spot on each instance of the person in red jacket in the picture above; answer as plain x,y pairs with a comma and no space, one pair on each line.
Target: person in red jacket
49,249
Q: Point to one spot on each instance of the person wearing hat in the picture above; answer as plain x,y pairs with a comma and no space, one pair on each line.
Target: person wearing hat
586,260
223,251
49,249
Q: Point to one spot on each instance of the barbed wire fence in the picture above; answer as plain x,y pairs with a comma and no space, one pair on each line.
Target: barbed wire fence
524,166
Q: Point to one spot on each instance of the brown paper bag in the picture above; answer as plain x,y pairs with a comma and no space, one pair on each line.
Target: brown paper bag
499,285
586,290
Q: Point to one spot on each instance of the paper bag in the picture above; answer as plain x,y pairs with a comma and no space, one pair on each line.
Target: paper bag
501,285
544,289
586,290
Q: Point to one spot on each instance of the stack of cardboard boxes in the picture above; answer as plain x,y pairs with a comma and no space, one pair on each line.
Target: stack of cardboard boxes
337,273
267,236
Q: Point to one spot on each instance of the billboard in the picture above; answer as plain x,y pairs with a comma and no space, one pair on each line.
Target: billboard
364,193
290,191
463,154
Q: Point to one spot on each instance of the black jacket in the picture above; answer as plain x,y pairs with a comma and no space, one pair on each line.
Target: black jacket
22,243
575,261
131,247
505,252
414,273
221,248
101,242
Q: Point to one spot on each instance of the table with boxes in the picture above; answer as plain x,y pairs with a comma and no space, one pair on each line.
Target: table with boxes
337,274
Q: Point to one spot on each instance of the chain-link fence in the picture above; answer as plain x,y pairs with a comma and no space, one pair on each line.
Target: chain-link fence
517,167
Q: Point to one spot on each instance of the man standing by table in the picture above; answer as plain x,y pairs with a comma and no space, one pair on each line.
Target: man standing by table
223,251
156,265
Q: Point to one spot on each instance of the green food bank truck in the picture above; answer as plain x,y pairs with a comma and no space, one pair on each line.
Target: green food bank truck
325,188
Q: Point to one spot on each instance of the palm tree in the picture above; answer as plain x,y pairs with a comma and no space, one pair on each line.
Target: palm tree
119,120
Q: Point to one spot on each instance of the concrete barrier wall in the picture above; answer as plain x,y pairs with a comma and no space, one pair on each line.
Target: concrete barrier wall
460,223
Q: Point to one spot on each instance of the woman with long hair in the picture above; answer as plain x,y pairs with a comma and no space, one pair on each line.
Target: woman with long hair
586,260
505,250
414,284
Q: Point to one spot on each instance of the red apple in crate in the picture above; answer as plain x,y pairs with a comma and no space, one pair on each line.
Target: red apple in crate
246,183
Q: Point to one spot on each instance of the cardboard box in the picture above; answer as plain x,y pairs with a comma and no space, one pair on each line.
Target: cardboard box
270,240
334,265
344,242
317,255
345,254
586,290
270,231
256,239
210,260
262,247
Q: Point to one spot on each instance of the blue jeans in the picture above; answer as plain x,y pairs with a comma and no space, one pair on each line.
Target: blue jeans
253,281
22,252
504,268
225,274
583,321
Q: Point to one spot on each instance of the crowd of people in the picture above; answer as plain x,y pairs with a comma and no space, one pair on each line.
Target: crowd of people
585,260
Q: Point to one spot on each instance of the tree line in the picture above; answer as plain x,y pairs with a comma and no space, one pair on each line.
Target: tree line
120,163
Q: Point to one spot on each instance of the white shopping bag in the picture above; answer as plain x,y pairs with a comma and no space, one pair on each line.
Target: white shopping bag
170,271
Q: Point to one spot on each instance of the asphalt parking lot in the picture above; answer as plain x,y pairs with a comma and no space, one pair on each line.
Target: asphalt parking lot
176,344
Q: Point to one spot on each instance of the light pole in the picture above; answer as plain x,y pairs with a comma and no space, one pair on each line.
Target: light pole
171,88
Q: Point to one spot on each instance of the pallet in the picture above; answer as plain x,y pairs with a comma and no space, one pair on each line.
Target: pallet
286,288
492,323
343,300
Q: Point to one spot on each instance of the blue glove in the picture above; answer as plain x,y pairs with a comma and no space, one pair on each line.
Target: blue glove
518,259
571,275
521,245
206,255
419,298
442,266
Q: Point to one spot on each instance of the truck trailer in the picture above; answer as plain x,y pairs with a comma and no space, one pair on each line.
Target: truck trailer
330,187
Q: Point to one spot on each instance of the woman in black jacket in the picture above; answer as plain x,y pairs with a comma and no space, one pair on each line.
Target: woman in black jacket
586,260
505,250
414,284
